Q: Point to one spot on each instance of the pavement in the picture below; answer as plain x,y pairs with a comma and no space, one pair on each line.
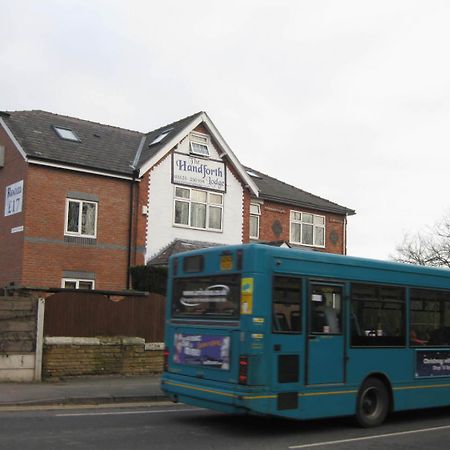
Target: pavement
99,389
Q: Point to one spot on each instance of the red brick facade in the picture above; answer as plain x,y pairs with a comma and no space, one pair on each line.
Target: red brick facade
275,226
40,255
11,244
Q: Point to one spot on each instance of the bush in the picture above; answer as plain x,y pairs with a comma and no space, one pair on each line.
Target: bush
149,278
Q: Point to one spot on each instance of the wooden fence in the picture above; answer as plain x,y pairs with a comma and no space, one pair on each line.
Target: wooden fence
85,314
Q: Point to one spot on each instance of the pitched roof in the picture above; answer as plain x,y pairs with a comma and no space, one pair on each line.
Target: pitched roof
149,149
116,150
178,246
101,147
280,192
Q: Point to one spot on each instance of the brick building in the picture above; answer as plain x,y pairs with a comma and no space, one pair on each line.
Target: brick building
82,202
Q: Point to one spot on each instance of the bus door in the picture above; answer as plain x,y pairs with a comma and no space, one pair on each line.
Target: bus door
325,341
287,342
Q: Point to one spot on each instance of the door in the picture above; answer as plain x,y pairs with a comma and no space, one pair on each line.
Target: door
325,341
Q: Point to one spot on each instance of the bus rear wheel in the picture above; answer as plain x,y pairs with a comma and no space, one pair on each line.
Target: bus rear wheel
372,406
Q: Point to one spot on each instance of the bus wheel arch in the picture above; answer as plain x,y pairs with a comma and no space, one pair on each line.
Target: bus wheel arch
374,401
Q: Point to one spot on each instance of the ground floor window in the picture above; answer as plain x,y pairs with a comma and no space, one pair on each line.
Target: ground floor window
195,208
74,283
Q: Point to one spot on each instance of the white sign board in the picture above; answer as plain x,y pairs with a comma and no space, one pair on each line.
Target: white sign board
198,172
13,198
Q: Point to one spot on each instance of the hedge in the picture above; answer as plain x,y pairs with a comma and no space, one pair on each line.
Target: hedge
149,278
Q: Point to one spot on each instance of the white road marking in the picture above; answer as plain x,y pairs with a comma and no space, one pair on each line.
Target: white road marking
366,438
118,413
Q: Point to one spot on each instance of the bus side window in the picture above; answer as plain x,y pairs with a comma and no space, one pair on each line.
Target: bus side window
325,309
286,304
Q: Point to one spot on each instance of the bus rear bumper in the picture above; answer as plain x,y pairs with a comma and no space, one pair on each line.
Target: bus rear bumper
204,395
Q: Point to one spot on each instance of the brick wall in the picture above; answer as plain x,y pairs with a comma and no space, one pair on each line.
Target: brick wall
11,248
275,225
47,255
99,356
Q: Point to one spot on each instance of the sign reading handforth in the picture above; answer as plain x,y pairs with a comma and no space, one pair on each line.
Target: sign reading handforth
13,198
198,172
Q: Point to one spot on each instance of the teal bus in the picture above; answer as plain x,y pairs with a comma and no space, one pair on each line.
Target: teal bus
257,329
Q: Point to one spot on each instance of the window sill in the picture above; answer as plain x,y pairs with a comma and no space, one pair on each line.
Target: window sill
187,227
80,240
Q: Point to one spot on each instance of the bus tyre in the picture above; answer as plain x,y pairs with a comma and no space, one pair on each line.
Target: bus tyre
372,406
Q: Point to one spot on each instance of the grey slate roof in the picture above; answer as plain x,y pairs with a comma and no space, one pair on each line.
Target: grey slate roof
280,192
101,147
178,246
116,150
149,150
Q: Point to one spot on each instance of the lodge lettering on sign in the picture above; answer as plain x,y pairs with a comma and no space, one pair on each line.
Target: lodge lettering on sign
13,198
198,172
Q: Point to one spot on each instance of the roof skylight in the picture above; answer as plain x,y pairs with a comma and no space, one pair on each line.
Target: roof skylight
160,136
253,174
66,133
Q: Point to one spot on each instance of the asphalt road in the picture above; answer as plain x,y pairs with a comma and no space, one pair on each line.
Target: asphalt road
181,427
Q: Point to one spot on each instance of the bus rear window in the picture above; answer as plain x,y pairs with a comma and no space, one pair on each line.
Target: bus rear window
207,297
193,263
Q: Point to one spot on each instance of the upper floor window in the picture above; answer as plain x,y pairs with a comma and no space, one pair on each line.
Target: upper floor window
195,208
307,229
81,218
199,144
255,213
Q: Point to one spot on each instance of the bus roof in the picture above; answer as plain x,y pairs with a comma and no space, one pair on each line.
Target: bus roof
343,261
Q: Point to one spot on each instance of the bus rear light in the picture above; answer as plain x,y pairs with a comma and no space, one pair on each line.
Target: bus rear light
166,354
239,259
243,369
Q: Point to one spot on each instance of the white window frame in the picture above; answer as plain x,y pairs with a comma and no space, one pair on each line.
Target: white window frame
255,216
208,204
301,223
80,217
77,282
202,140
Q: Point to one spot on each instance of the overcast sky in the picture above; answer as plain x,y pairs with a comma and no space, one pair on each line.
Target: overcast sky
349,100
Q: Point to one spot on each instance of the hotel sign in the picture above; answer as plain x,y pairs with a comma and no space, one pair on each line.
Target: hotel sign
198,172
13,198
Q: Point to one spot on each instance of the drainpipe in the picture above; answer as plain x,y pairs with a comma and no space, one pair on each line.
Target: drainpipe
130,226
132,209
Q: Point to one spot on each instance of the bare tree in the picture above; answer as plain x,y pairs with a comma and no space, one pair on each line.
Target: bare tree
430,248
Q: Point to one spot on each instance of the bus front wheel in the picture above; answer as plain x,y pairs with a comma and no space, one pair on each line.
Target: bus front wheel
373,403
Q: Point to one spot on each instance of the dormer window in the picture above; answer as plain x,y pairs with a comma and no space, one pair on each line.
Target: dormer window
199,144
66,134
